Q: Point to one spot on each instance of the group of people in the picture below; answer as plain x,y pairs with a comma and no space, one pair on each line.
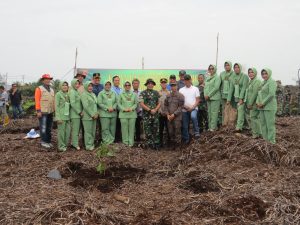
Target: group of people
11,98
165,115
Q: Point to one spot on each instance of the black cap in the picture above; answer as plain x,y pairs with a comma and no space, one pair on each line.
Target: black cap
187,77
173,84
163,80
150,81
172,77
96,75
182,73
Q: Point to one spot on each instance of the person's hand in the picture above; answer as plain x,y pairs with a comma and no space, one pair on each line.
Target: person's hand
172,117
110,109
95,117
191,109
129,110
227,103
153,111
206,98
259,105
39,114
81,114
249,107
241,102
59,121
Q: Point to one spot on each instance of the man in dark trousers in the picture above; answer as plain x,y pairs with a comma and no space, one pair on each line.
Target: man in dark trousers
16,101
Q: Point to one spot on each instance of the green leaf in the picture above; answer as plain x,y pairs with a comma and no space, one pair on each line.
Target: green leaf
101,167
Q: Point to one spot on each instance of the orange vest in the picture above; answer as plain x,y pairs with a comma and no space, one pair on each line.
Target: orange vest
47,100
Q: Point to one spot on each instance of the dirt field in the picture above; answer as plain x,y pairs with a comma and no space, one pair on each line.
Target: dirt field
223,178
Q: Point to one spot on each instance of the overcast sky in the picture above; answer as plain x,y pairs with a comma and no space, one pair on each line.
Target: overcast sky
40,36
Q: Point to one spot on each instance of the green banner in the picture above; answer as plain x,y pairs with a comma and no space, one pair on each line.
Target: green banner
142,75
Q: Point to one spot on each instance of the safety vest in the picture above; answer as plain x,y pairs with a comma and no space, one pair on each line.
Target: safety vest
47,100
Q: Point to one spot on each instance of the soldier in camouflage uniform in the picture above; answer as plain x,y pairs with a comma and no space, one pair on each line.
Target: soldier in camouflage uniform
287,101
280,98
149,100
202,107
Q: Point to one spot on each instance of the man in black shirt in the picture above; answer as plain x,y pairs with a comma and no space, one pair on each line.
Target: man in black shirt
16,101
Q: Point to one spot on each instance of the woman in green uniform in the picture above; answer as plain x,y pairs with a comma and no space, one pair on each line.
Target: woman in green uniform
107,102
90,115
236,96
212,96
62,116
252,113
75,112
267,105
127,103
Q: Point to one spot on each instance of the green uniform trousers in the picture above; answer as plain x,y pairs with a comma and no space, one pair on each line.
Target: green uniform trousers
240,116
267,121
89,127
223,103
213,107
75,127
252,117
63,134
108,127
128,130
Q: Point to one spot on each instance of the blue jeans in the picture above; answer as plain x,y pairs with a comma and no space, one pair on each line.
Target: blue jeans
186,118
17,111
45,127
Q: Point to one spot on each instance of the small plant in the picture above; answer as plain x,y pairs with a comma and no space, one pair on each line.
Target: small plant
103,151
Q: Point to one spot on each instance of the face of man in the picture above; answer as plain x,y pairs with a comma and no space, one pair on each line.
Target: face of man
117,82
150,85
181,77
188,83
96,80
163,85
237,69
201,79
173,88
136,85
46,81
172,80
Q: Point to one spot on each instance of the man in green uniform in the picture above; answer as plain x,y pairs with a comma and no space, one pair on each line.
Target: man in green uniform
212,95
173,110
267,105
252,113
237,90
90,115
107,102
225,86
62,116
149,100
280,98
127,104
75,112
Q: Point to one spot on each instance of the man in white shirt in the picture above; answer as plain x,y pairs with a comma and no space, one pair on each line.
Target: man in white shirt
189,112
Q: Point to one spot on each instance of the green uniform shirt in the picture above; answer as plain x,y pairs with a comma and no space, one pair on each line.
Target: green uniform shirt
75,102
89,103
225,81
106,100
212,87
252,90
127,100
62,106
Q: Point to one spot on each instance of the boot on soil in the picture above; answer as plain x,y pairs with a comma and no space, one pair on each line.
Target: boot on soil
45,146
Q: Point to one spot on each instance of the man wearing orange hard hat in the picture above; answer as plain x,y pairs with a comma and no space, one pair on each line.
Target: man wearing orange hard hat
44,105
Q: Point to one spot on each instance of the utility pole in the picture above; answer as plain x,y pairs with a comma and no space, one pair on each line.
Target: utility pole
23,79
6,77
217,54
299,92
75,66
143,65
